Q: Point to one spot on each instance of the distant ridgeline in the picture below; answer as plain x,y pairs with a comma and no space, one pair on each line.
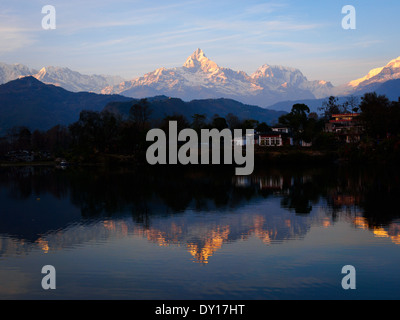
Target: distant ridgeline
31,103
161,106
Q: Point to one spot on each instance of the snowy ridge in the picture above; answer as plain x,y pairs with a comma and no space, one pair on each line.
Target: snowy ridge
75,81
375,76
63,77
201,78
9,72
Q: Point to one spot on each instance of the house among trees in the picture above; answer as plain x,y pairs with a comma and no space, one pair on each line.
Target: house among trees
275,136
288,133
346,127
280,136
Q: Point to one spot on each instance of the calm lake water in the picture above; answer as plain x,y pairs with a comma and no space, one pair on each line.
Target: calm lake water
282,233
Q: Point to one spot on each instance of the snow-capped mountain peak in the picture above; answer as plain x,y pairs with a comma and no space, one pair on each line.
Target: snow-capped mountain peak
41,75
372,73
263,72
201,78
73,80
279,75
59,76
9,72
378,75
395,63
198,78
198,60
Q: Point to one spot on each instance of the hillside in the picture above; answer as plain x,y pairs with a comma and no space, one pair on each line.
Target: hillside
162,106
29,102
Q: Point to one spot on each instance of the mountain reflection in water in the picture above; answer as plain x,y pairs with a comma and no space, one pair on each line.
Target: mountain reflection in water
201,210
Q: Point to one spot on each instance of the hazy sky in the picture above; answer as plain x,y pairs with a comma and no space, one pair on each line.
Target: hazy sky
132,37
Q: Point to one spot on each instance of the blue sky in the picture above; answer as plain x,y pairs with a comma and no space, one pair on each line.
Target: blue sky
132,37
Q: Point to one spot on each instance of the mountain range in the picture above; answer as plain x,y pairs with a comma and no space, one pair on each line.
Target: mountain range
58,76
274,87
202,78
375,78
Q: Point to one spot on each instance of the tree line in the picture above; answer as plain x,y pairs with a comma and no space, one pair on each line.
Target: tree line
106,132
109,133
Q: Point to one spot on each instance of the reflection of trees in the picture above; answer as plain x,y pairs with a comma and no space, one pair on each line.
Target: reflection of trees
372,190
23,182
298,189
380,196
166,191
301,194
157,200
375,192
105,193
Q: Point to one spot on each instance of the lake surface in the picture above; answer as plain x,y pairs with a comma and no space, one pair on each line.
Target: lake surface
282,233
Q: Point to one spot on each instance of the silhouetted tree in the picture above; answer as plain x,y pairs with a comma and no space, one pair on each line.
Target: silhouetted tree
198,122
57,139
233,121
140,113
219,123
24,139
39,141
182,122
352,104
331,107
297,120
375,114
249,124
262,127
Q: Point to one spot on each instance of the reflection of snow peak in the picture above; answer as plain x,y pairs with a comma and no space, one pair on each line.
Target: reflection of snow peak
202,233
214,241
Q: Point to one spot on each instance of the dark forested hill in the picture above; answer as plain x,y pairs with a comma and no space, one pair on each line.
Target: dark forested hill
31,103
162,106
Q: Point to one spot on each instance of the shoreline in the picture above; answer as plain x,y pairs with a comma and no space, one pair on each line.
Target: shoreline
261,158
